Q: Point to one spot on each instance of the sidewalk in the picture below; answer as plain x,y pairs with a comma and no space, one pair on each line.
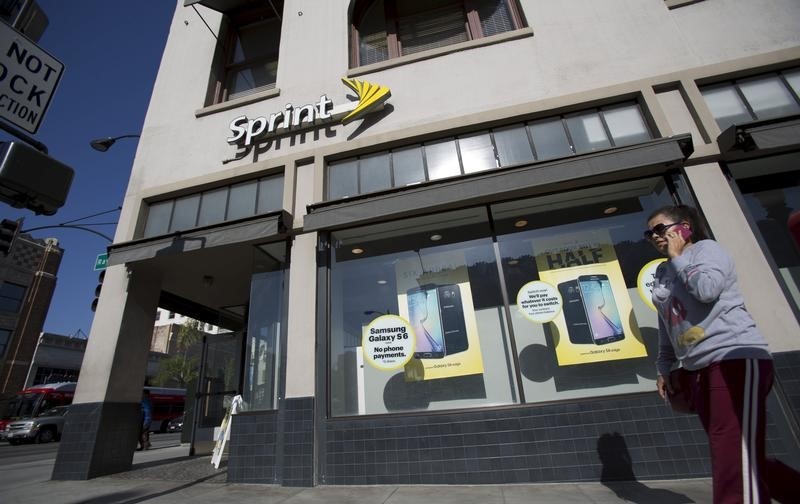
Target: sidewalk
169,475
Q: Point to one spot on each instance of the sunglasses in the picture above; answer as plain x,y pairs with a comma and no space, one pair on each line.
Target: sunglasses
658,230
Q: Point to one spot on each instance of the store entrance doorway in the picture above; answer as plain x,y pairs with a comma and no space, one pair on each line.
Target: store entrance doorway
218,382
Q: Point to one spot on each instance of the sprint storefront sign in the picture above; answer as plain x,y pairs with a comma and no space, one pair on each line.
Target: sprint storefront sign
371,97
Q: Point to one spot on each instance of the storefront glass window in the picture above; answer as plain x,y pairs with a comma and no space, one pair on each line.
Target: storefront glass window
264,329
212,207
768,97
408,166
438,274
488,150
513,146
793,78
626,125
270,194
218,205
158,217
726,106
185,214
375,173
242,200
343,179
575,268
587,132
763,97
442,160
771,190
477,153
550,139
419,318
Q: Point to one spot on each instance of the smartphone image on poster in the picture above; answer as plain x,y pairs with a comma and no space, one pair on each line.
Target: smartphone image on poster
423,313
575,313
601,309
453,324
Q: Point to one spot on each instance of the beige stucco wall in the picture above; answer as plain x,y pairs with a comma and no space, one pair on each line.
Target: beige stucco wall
574,52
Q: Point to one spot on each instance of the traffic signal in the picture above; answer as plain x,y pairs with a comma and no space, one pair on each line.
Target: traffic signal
9,229
97,289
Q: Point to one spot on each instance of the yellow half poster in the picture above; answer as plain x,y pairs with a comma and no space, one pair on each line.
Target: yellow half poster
595,322
437,302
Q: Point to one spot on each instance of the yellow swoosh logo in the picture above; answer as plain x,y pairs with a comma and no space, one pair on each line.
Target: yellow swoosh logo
370,96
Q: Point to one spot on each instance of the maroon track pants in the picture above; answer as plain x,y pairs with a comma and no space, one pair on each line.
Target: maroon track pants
731,402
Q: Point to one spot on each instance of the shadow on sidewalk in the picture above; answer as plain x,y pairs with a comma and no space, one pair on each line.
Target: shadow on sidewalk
617,475
134,497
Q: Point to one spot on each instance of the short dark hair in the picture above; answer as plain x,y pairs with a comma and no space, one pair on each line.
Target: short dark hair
686,213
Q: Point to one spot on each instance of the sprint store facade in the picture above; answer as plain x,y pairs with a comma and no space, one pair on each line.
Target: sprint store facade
421,224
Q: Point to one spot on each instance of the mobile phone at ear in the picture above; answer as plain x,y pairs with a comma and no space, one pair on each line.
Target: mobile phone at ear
684,232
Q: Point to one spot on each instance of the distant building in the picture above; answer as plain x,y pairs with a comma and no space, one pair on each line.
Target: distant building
27,280
57,359
167,325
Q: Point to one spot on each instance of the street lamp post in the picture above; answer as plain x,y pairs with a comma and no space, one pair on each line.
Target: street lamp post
103,144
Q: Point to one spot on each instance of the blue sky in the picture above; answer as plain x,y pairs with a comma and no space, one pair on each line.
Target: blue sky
111,51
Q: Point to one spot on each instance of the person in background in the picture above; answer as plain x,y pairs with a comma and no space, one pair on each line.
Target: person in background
705,327
147,418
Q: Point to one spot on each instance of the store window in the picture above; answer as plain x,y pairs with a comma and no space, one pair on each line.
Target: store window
11,296
265,324
553,137
419,308
217,205
771,190
586,250
756,98
385,29
247,56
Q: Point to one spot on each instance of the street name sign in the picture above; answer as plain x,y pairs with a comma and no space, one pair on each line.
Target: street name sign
28,79
101,262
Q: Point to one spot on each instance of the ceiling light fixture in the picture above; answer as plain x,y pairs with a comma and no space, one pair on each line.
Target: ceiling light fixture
521,223
610,210
436,237
357,251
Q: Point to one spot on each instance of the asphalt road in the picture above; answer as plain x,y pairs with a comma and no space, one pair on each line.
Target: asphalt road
27,463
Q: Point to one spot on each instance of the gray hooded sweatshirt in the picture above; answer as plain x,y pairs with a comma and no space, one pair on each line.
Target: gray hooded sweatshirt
701,314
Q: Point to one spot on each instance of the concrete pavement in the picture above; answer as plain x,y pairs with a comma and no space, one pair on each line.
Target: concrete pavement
169,475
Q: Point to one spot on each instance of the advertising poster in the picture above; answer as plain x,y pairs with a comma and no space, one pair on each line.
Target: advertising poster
388,342
646,280
594,323
436,298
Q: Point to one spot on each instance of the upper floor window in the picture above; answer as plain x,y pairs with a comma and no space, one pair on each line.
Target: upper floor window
385,29
247,56
11,296
755,98
5,335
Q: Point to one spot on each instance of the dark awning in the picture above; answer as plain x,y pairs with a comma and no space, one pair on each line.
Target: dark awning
771,135
640,160
226,6
250,230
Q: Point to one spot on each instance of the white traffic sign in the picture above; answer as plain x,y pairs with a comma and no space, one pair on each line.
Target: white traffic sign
28,79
